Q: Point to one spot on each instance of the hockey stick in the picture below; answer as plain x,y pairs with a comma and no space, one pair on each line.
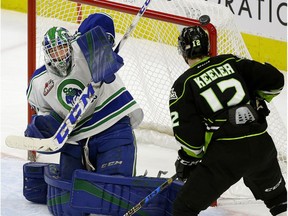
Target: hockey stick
133,25
56,142
147,199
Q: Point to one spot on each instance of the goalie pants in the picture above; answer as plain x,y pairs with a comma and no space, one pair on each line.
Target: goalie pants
111,152
224,164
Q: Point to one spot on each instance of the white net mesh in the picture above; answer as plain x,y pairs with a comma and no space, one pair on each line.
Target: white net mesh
152,62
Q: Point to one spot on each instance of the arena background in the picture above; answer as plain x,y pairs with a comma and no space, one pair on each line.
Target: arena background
262,47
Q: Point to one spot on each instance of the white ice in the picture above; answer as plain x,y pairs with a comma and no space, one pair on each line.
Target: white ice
14,120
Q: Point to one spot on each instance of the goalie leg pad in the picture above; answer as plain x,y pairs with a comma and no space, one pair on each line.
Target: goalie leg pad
58,195
103,194
115,195
34,186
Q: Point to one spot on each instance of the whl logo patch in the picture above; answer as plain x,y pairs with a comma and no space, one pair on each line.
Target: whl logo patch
69,91
48,86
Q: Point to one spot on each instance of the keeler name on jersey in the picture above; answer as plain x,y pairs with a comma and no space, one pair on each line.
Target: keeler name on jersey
213,74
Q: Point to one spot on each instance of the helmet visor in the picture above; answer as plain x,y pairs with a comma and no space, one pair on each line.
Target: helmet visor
59,58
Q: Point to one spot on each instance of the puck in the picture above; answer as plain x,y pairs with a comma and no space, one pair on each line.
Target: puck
204,19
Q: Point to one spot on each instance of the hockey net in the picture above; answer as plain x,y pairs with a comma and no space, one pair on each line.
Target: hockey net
152,61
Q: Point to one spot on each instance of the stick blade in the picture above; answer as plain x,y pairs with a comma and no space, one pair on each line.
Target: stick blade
29,143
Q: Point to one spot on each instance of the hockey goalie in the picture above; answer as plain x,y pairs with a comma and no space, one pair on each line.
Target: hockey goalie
96,172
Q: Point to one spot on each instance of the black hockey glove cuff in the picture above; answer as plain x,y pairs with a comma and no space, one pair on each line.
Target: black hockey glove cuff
261,107
185,164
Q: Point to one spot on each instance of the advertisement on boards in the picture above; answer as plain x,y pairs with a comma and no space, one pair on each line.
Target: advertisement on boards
266,18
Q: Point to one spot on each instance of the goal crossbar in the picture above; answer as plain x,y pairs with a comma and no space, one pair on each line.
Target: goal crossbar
158,15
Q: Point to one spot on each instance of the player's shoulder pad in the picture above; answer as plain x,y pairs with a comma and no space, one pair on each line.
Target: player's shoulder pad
39,71
239,58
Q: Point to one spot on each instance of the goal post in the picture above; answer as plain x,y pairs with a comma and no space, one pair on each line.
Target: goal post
31,52
151,59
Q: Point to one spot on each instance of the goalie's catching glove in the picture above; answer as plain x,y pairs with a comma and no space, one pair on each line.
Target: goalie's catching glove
185,164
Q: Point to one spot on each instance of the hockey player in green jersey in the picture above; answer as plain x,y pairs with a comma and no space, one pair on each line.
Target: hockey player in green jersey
218,111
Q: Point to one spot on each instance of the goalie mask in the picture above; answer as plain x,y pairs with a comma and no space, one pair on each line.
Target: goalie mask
58,51
193,42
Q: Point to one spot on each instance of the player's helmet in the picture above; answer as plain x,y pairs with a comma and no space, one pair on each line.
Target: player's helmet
193,42
58,51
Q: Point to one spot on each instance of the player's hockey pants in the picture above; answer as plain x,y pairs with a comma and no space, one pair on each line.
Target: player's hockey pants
224,164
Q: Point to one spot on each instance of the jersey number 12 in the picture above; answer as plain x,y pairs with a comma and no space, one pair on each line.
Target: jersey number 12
212,99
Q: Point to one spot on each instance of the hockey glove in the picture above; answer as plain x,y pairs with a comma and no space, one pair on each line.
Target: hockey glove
261,107
43,126
185,164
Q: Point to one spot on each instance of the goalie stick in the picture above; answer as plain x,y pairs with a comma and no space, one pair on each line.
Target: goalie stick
56,142
147,199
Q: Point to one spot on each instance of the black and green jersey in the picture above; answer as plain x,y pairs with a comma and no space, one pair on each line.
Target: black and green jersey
211,87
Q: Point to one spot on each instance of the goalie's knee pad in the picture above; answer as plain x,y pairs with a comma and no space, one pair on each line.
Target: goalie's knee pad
34,185
117,161
113,151
70,160
117,135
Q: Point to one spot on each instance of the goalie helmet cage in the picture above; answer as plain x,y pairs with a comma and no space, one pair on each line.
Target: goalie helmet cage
152,62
